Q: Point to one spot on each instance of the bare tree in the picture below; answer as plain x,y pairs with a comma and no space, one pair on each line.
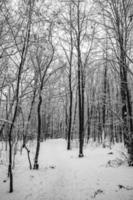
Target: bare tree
43,61
118,27
22,53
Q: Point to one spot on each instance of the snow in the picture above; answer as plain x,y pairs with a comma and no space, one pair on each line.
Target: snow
64,176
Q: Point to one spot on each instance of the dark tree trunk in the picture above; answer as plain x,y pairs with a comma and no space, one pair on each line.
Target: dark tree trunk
126,108
80,86
104,102
71,96
99,124
66,120
42,76
10,159
70,59
36,165
27,127
70,123
89,124
82,100
23,57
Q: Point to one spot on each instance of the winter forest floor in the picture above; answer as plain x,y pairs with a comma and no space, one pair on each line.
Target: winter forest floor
64,176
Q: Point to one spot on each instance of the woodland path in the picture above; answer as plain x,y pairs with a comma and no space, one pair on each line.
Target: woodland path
64,176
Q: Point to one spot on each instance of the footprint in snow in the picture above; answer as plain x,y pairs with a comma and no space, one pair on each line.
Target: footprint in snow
52,166
110,153
125,187
97,192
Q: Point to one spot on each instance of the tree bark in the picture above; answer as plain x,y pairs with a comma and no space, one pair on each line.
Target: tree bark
80,88
36,165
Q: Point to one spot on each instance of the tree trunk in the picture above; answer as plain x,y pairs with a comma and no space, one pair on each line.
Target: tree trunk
126,109
80,88
89,123
36,165
104,99
70,123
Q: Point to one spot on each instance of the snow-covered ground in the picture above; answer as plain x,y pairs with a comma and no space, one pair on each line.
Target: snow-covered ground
64,176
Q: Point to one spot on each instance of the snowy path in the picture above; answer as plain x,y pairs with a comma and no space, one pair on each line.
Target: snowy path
64,176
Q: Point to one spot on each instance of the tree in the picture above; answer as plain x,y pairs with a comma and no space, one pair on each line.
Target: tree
119,28
68,20
43,64
22,51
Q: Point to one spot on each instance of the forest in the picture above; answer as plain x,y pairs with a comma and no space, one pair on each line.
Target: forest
66,78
